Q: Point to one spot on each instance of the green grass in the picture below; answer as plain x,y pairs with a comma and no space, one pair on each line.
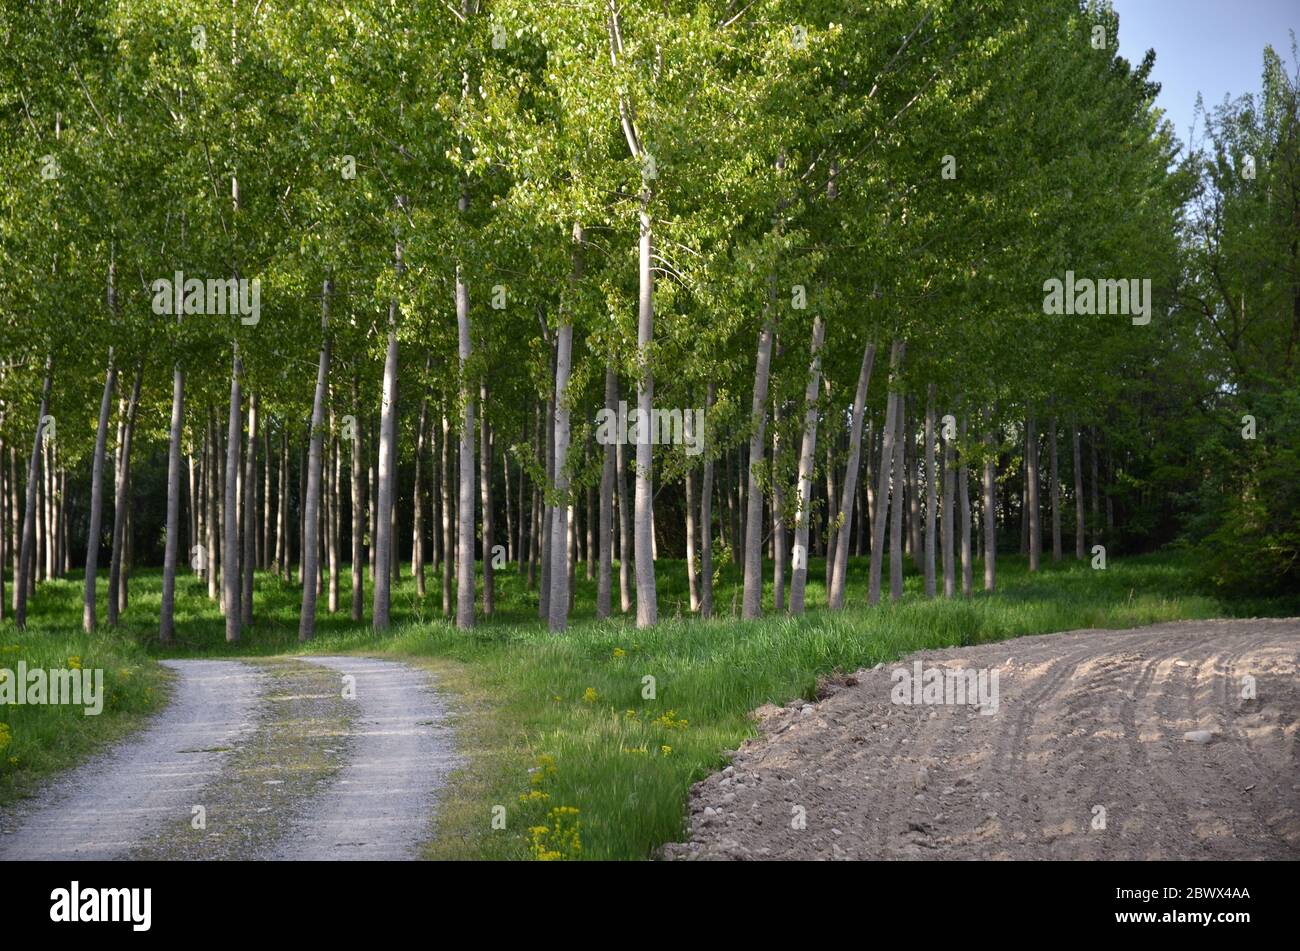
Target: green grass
570,707
37,740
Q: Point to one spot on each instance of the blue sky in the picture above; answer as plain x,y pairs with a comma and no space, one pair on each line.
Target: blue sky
1214,47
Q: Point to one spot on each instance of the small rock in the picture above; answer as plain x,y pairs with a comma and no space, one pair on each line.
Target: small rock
1198,736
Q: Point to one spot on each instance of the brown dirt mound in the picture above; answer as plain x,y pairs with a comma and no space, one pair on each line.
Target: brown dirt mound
1087,756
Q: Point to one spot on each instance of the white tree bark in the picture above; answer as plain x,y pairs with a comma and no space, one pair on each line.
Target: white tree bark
382,536
896,507
931,493
465,581
647,600
752,600
230,576
558,614
706,511
122,503
604,575
26,560
97,502
990,506
807,451
166,618
250,515
882,502
1031,492
849,491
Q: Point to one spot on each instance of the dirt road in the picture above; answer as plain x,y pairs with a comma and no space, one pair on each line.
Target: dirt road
1175,741
318,758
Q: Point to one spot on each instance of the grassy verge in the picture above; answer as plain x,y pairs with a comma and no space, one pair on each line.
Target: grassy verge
553,723
37,740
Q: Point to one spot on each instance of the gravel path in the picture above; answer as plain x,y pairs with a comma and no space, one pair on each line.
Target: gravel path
136,800
1175,741
102,808
381,804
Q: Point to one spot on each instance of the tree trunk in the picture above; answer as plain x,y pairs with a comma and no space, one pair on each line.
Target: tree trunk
383,525
832,530
548,488
990,506
752,599
1078,490
417,502
572,551
485,491
358,584
912,478
778,518
625,556
647,599
807,450
334,523
1031,492
558,603
433,550
706,510
949,535
465,510
284,539
213,520
41,571
372,494
849,491
1096,487
195,509
23,578
15,531
122,502
1054,490
963,482
448,558
311,503
931,487
250,515
97,507
264,538
230,577
506,503
589,520
166,621
896,507
897,351
604,579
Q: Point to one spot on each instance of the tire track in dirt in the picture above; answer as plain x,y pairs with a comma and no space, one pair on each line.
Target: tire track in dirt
1085,719
380,805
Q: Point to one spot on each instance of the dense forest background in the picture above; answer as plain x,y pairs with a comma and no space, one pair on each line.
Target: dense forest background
474,225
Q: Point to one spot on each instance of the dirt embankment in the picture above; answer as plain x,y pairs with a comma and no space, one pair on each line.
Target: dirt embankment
1175,741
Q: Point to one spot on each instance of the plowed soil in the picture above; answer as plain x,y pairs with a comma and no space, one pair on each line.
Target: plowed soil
1133,744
